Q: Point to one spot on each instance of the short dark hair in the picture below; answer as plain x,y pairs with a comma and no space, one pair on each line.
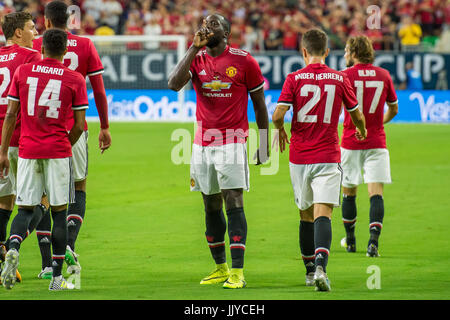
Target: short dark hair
362,48
54,42
13,21
56,12
315,42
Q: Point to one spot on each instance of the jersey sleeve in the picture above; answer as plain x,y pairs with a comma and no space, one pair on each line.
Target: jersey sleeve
95,65
391,95
13,93
348,95
287,93
253,76
79,98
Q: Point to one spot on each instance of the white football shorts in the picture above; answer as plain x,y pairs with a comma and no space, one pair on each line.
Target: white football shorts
80,157
8,184
368,166
52,176
215,168
316,183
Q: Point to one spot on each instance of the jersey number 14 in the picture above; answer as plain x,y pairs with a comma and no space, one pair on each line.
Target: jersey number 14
49,97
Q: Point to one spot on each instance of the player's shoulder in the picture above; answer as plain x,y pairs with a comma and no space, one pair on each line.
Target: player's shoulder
26,50
238,52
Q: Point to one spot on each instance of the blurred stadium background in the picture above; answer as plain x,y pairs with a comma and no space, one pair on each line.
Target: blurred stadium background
156,222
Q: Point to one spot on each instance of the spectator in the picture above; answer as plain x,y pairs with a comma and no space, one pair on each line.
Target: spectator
409,33
274,36
150,29
413,78
110,14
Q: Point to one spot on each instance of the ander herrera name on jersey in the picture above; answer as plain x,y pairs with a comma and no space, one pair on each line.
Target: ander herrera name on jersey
319,76
48,70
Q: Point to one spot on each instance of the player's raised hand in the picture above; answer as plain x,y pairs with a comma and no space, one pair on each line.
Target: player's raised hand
4,166
104,139
359,135
202,36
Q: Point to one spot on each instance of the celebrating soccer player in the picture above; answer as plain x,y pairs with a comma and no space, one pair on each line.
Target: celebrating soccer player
45,92
366,160
82,57
316,94
222,78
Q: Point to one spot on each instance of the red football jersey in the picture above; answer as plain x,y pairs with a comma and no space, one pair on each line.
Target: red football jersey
373,87
222,85
316,94
48,92
81,56
11,57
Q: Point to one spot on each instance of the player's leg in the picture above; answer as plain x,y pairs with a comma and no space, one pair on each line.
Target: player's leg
349,213
77,209
60,188
6,208
322,244
44,237
303,195
204,179
231,164
237,233
215,236
29,190
326,185
351,162
376,215
376,174
306,240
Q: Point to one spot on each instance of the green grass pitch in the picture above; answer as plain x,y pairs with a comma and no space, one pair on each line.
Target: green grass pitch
143,234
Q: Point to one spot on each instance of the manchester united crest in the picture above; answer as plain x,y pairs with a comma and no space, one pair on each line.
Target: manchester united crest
231,71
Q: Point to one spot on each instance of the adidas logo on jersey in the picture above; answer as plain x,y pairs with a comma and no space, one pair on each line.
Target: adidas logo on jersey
202,73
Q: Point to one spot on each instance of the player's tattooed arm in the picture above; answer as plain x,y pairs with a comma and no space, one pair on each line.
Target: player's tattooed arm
181,75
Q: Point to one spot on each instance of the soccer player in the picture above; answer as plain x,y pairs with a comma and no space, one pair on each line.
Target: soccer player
82,57
316,94
19,31
366,161
222,78
45,92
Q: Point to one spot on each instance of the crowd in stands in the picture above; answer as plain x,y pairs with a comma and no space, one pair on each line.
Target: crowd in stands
259,25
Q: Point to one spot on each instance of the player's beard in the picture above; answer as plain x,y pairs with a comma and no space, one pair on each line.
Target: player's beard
350,63
213,41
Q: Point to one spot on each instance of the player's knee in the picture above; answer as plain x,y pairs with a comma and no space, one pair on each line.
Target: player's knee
7,202
213,202
80,185
233,198
307,215
59,208
375,189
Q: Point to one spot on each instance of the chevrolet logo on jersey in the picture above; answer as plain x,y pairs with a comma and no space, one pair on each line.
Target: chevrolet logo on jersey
216,85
